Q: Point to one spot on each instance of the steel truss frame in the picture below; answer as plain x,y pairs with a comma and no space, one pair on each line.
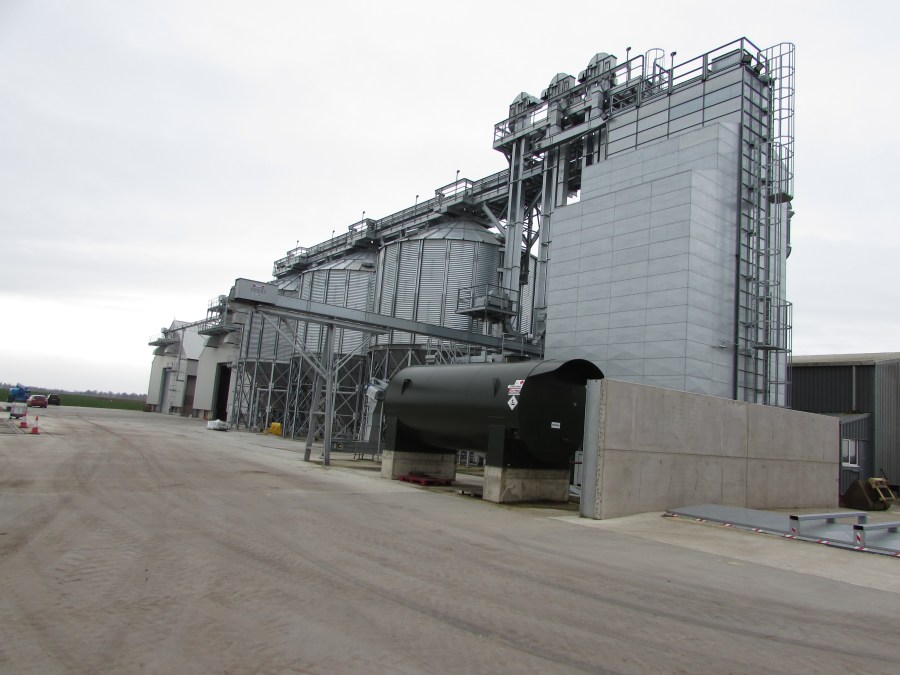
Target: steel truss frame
548,142
320,394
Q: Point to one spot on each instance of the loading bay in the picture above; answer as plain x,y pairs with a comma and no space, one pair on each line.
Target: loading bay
135,542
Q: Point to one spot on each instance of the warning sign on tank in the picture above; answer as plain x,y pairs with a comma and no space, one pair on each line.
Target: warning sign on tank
512,403
515,389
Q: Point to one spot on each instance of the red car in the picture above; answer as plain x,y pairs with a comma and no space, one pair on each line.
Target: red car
37,401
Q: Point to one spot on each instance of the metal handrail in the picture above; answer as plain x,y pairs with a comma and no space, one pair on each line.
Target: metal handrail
457,190
629,71
487,296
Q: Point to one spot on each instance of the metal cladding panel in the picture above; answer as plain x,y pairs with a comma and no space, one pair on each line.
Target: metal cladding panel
317,289
860,429
336,294
386,289
262,338
407,285
419,278
342,284
305,286
866,393
487,263
823,389
285,344
291,283
318,285
887,421
460,274
336,288
432,283
359,285
386,284
270,341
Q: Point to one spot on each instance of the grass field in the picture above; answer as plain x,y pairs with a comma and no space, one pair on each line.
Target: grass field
85,401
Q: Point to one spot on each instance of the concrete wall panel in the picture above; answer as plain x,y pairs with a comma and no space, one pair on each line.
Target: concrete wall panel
660,448
156,371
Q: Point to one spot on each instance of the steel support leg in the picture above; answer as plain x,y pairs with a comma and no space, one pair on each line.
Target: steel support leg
330,376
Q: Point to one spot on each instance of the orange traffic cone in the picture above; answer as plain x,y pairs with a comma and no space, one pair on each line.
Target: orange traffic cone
35,429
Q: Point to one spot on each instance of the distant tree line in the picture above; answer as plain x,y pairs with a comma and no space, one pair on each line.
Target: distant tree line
87,392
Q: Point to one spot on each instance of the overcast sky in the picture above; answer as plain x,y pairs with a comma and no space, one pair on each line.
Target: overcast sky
152,152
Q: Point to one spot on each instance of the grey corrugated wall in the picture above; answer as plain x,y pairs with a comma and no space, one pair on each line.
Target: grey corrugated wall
887,420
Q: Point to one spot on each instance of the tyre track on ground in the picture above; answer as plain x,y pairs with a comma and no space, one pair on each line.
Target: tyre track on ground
79,557
366,542
186,555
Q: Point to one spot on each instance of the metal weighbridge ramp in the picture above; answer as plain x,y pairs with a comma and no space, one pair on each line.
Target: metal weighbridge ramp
844,529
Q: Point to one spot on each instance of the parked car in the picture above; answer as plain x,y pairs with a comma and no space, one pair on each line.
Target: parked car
53,399
37,401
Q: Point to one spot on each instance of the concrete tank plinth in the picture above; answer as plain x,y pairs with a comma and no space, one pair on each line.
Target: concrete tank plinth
505,485
437,465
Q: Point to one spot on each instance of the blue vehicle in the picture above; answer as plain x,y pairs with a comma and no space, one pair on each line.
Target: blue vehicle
18,394
18,397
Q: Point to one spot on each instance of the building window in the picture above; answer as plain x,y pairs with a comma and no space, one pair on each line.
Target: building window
850,452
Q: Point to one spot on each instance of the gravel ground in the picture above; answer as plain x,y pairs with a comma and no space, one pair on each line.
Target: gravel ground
136,542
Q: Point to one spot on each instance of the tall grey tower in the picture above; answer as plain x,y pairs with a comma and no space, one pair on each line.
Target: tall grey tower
658,198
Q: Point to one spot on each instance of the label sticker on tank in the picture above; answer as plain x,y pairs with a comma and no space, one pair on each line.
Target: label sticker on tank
554,425
516,388
512,403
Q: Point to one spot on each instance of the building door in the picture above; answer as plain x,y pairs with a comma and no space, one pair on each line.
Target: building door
223,387
189,387
164,390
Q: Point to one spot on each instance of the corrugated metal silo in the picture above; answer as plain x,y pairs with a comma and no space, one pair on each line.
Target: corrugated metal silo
345,282
419,277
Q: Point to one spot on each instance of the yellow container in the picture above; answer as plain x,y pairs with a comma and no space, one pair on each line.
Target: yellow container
275,429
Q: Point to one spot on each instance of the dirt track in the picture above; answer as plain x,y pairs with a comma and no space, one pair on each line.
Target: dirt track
134,542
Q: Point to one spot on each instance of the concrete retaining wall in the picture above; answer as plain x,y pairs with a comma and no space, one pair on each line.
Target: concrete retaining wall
659,448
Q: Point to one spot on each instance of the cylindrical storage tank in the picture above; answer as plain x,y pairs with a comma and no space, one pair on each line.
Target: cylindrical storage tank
345,282
418,278
522,414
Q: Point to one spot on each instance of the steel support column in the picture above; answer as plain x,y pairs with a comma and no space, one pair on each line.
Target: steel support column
329,393
512,256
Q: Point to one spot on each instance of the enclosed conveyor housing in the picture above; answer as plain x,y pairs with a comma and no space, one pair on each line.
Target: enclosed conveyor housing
527,414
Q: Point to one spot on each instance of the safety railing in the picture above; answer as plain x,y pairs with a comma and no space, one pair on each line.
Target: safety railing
637,78
488,299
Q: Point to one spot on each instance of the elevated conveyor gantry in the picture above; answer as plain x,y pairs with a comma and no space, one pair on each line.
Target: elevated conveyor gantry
249,296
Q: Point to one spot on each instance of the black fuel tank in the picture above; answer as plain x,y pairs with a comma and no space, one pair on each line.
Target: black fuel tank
524,414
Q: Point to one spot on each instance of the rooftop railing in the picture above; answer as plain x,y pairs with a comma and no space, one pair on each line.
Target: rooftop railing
642,68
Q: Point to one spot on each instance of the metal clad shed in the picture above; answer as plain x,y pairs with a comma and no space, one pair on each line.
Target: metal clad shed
858,428
887,414
855,384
